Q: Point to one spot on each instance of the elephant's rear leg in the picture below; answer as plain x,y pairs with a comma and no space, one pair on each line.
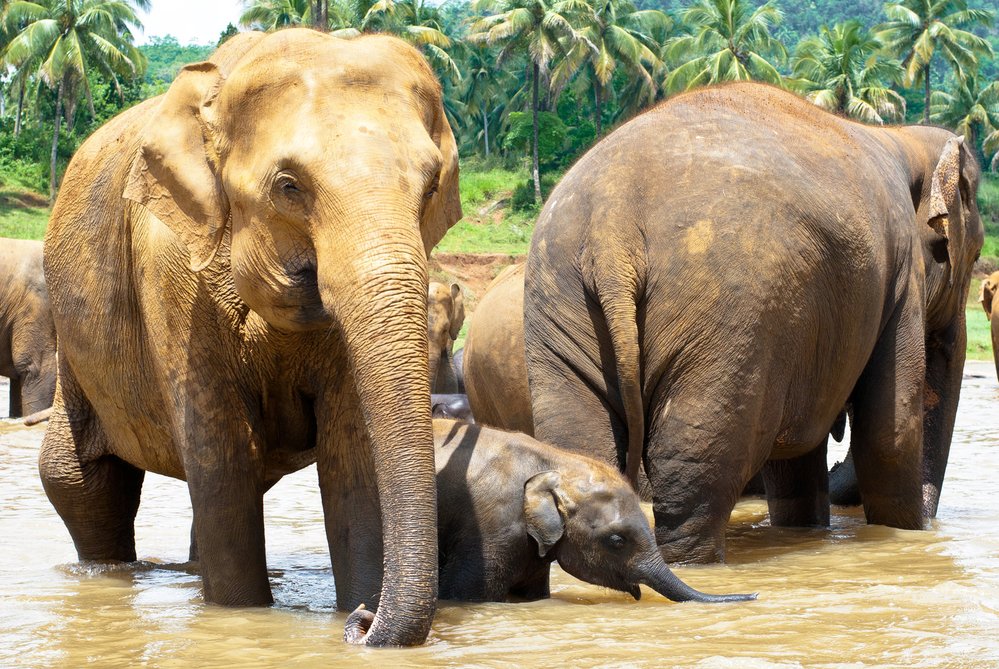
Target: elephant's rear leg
96,494
798,490
698,462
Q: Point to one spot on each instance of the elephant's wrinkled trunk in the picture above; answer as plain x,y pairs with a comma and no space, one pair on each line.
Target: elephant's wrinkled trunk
379,300
658,576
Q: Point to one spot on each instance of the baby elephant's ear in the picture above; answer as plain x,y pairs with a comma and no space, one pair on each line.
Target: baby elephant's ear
545,520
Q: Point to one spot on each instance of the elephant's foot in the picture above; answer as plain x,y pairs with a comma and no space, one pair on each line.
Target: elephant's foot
680,546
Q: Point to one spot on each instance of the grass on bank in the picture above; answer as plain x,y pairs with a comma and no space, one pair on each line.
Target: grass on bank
23,214
491,224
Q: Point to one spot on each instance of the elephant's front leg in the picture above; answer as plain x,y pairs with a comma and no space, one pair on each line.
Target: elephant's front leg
350,500
887,432
798,489
224,469
945,354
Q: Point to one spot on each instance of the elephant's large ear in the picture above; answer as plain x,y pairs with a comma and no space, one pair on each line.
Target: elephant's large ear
444,208
945,199
542,511
985,296
457,311
176,174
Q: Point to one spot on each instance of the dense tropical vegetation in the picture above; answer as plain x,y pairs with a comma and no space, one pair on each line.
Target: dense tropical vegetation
532,82
529,85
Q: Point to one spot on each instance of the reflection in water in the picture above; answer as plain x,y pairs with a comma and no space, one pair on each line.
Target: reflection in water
852,595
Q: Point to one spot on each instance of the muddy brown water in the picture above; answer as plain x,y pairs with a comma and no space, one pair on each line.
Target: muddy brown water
851,596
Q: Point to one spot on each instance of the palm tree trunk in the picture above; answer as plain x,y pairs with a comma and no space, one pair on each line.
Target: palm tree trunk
926,98
90,104
485,127
55,144
534,108
20,110
599,108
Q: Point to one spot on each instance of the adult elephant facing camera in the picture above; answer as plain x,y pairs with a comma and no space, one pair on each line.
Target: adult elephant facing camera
255,302
711,284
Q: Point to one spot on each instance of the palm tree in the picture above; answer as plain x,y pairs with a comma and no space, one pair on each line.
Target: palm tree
275,14
840,70
614,34
730,40
482,88
418,23
916,30
65,40
971,111
541,28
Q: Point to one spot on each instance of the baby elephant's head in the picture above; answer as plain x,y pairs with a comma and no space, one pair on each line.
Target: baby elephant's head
593,525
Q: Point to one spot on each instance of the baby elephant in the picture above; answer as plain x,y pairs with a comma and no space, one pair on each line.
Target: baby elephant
509,505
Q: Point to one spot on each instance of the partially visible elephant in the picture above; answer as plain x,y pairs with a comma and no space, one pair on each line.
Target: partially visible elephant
494,366
238,275
27,333
988,291
445,316
850,250
510,506
452,405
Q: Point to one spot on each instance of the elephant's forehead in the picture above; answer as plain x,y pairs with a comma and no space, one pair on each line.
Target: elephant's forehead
330,72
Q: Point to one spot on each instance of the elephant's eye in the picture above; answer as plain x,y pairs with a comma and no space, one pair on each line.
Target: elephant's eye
615,541
287,184
430,191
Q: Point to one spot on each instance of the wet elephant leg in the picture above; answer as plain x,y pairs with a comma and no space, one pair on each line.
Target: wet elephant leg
887,433
16,409
95,494
698,461
798,490
350,502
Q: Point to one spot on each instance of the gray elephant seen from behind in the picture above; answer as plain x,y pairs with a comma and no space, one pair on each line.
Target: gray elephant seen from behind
714,281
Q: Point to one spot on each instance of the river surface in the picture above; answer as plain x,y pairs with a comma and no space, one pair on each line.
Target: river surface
850,596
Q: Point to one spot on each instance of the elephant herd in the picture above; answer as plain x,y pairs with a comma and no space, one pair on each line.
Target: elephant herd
237,276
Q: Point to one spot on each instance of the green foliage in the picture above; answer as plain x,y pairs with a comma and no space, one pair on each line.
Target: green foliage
166,56
23,214
552,134
839,70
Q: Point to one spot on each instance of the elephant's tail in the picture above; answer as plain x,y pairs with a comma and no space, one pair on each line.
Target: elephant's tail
618,299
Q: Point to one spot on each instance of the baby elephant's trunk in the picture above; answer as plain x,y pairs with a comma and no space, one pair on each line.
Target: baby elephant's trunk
658,576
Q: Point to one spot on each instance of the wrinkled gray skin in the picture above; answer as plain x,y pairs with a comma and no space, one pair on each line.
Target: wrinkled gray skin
495,367
27,332
445,316
511,505
850,248
453,405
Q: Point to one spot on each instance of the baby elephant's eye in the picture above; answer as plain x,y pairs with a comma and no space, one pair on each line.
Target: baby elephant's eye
615,541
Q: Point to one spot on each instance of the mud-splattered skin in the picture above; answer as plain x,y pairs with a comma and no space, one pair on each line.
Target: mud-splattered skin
495,366
27,334
510,505
239,279
710,285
